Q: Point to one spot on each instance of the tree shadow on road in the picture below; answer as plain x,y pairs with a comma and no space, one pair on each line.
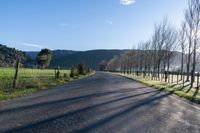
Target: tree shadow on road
157,95
68,100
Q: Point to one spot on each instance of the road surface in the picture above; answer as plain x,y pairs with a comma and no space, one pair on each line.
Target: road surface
103,103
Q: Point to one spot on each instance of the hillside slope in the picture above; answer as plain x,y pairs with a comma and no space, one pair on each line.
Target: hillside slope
69,58
55,53
90,58
8,56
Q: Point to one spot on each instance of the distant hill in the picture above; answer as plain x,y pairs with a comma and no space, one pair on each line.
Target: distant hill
55,53
92,58
69,58
8,56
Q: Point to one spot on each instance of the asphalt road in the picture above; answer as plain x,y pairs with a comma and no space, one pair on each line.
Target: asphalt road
102,103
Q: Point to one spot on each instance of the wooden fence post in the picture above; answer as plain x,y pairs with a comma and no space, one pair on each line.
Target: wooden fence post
16,73
183,78
149,74
191,74
165,74
168,76
198,80
177,77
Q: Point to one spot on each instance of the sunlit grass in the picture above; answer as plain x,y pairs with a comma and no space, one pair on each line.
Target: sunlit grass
31,81
173,88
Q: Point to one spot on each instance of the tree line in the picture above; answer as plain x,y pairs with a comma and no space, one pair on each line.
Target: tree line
156,54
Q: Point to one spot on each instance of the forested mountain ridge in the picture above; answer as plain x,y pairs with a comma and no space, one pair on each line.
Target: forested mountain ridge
66,58
8,56
91,58
62,58
55,53
69,58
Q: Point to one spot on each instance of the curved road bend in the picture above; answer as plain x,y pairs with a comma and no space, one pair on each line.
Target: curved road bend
103,103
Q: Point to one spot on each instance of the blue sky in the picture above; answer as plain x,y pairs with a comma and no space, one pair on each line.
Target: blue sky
83,24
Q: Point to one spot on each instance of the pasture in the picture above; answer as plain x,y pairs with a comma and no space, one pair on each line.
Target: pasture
28,78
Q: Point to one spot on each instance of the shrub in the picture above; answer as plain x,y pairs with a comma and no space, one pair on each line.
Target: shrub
88,70
72,73
81,69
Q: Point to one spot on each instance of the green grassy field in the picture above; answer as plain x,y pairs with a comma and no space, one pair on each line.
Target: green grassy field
30,81
8,73
26,76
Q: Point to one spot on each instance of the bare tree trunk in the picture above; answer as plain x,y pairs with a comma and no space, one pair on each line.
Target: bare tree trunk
183,45
182,59
189,60
196,6
158,70
189,18
193,67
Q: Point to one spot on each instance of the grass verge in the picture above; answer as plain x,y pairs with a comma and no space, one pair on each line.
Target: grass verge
179,90
37,85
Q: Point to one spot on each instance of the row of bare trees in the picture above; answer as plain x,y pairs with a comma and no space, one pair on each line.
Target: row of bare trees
156,54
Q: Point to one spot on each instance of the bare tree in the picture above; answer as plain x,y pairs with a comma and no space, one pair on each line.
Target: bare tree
140,57
157,54
170,44
158,43
147,56
136,58
189,18
196,5
103,65
154,50
133,59
144,56
113,64
182,43
124,62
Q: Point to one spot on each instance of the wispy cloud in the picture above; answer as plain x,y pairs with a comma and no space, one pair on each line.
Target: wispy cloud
127,2
33,45
109,22
63,24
